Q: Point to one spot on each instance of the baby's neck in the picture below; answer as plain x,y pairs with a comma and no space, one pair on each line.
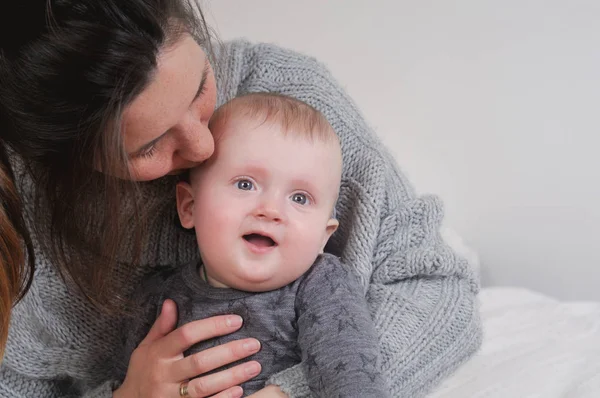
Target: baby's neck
212,282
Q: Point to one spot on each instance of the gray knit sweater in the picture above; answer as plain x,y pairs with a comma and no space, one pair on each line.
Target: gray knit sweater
422,296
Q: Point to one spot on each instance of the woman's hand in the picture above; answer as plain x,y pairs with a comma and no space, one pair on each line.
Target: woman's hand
270,391
157,366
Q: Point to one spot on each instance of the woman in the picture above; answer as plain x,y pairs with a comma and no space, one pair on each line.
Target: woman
102,104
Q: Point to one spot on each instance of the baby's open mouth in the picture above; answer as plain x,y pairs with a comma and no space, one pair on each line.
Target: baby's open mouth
259,240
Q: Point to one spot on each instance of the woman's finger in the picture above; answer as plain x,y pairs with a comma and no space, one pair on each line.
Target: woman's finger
270,391
191,333
206,386
233,392
213,358
164,324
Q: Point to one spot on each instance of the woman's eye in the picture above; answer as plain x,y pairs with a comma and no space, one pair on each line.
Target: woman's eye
245,185
147,153
300,198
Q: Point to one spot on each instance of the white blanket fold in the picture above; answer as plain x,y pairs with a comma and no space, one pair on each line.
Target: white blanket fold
534,346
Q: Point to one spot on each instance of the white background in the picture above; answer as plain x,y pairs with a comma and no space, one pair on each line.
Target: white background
493,105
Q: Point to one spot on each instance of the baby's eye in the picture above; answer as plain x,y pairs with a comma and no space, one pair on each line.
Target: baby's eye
245,185
300,198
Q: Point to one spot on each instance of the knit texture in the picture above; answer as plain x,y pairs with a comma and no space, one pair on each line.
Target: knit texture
421,295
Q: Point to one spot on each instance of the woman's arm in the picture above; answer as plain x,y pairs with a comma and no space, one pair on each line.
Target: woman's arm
422,296
44,357
15,385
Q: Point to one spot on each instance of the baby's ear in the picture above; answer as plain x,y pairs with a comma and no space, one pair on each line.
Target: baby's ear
332,226
185,204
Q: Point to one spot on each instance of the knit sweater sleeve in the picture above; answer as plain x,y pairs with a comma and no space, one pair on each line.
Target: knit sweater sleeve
24,375
422,296
17,386
43,356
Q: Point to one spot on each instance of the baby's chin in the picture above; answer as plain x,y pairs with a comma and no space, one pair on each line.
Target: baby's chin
256,282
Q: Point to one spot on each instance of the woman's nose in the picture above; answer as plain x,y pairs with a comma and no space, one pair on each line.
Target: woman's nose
197,144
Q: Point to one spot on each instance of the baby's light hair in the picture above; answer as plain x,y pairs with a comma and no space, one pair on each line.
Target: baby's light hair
292,115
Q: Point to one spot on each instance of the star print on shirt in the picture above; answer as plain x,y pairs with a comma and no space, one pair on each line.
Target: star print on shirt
334,284
345,323
276,300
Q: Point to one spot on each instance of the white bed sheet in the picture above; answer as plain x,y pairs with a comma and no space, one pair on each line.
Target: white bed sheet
533,346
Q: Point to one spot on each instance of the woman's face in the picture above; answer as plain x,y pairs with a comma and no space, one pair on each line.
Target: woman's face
165,128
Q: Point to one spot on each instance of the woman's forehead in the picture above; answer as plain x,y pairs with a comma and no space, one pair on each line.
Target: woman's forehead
168,95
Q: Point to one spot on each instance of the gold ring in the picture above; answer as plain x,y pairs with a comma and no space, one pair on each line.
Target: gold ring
183,389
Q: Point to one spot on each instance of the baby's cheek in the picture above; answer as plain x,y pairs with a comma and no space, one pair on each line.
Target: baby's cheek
308,243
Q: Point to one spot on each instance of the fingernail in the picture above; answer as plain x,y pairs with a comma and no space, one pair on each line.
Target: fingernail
252,345
237,393
252,369
234,321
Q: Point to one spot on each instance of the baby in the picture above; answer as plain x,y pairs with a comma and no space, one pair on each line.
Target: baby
261,208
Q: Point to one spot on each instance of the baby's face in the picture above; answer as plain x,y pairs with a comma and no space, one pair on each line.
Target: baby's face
262,205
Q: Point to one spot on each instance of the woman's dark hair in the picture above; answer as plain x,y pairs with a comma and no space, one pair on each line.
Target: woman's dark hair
68,68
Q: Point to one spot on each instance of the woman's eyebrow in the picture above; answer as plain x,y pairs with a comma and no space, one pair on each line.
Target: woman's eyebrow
201,87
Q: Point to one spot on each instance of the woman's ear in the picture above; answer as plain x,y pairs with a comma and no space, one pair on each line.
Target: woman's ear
185,204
